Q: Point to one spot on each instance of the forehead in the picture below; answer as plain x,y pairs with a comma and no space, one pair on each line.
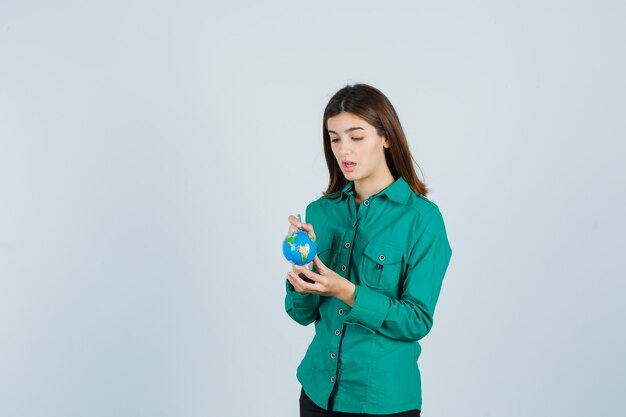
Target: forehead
346,120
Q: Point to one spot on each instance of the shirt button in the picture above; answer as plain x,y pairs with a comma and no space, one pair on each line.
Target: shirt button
381,257
337,332
333,356
343,267
332,378
340,311
354,224
347,245
366,202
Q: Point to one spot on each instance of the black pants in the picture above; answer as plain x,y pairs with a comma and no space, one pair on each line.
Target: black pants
309,409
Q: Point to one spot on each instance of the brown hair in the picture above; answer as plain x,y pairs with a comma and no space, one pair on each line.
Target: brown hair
374,107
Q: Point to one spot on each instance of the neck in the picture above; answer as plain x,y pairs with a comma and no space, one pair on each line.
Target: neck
367,187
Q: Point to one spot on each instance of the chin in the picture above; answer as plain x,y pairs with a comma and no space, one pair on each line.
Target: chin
350,176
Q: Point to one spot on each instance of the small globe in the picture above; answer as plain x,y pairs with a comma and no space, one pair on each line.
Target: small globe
299,248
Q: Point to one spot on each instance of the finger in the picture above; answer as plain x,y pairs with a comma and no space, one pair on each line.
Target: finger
295,281
299,285
321,268
307,227
292,229
294,221
294,225
308,273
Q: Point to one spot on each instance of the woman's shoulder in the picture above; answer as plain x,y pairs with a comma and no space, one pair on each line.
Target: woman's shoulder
427,216
317,205
424,206
322,200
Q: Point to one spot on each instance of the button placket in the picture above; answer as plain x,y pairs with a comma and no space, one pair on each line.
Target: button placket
349,246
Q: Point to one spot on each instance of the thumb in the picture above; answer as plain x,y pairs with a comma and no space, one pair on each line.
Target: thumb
321,268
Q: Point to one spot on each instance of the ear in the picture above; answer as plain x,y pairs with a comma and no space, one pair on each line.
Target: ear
386,143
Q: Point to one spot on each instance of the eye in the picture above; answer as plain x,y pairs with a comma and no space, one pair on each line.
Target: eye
334,140
357,138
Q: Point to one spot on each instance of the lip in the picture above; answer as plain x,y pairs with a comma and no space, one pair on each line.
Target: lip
346,168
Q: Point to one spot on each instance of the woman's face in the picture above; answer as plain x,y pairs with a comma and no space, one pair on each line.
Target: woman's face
354,140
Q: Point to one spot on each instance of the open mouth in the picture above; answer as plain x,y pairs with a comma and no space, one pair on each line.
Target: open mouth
349,164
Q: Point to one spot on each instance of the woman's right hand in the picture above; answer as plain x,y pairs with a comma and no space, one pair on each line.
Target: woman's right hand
294,224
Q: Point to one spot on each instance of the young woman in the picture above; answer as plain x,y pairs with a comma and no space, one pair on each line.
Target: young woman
382,255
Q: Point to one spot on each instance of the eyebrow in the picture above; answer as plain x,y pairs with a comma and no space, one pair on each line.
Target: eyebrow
347,130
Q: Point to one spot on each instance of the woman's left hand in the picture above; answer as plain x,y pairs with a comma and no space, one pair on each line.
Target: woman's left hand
327,282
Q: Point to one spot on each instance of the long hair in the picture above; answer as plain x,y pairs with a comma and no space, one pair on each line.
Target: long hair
374,107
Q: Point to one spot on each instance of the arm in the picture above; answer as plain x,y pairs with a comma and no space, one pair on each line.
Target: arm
302,308
411,317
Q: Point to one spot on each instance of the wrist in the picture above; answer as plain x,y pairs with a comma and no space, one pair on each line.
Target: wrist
346,292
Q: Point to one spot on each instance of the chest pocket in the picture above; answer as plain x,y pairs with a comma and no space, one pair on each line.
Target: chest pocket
381,266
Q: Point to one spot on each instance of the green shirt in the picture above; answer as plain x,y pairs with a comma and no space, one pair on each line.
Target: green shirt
394,248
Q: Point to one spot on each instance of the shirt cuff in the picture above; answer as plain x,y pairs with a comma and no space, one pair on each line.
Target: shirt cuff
298,299
370,308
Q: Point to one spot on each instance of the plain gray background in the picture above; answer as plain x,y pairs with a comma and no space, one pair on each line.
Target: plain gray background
151,152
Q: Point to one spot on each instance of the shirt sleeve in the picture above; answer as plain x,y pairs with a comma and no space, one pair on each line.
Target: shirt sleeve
409,318
302,308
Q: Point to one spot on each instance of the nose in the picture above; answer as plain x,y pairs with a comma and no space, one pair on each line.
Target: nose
345,148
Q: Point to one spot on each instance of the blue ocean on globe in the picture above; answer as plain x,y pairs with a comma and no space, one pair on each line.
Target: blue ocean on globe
299,248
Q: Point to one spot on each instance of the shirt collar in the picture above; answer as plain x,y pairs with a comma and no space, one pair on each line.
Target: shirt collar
347,189
397,191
